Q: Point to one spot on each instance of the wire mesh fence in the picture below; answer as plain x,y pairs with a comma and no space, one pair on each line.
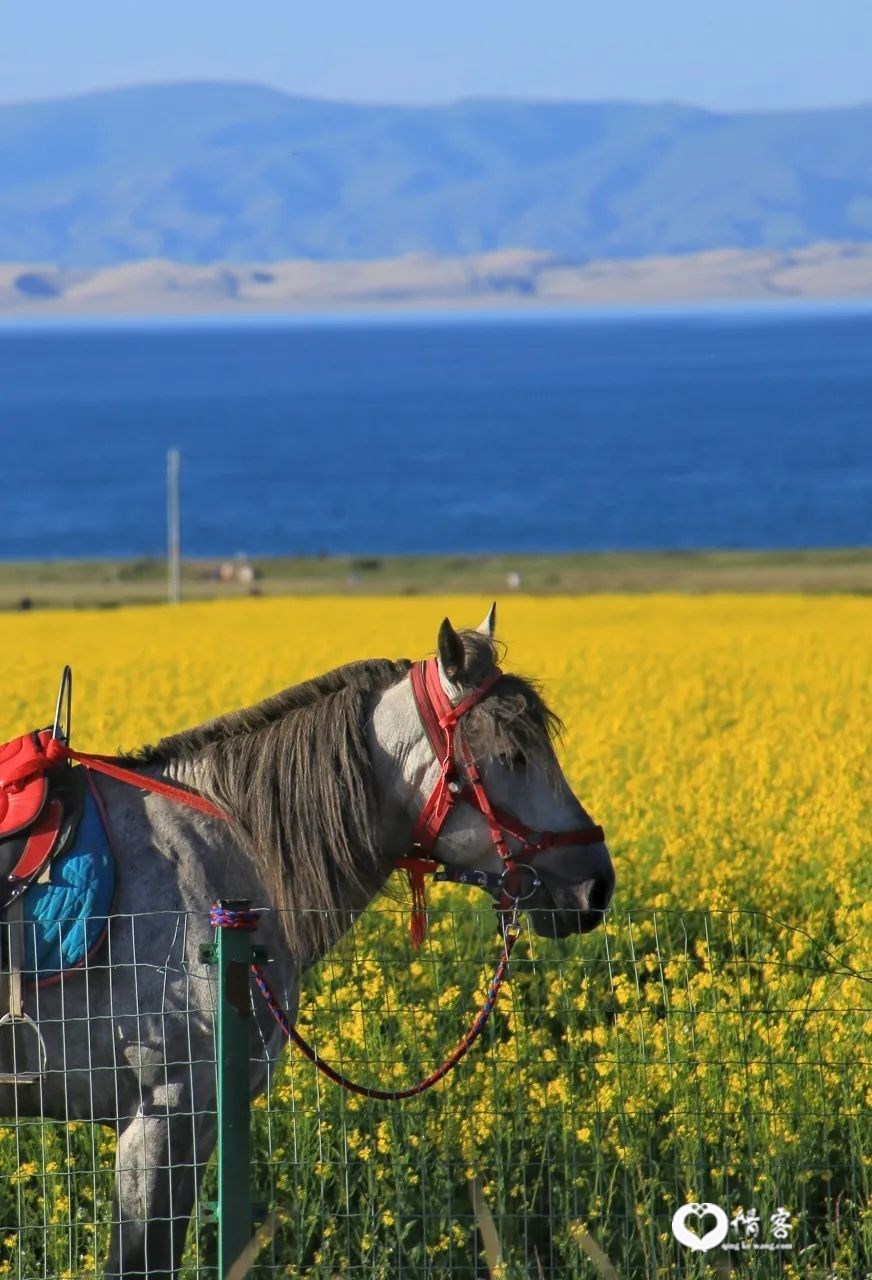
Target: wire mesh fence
667,1060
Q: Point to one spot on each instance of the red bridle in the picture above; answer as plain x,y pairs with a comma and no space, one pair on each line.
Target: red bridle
518,880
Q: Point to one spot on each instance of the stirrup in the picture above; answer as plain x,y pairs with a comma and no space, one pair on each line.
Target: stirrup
24,1077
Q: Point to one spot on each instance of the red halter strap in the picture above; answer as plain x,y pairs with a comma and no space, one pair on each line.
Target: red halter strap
440,718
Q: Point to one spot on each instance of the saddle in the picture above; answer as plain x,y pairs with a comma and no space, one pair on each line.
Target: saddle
40,810
40,805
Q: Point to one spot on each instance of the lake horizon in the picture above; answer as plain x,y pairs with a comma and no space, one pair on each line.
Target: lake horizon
744,427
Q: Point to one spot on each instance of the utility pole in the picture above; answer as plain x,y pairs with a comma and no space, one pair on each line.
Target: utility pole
173,592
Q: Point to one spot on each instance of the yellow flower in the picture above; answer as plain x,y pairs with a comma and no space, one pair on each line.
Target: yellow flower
699,1037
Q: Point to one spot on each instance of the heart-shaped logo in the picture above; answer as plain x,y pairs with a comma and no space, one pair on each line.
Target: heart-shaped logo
692,1239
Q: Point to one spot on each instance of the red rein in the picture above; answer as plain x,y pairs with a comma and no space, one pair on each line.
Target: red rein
56,751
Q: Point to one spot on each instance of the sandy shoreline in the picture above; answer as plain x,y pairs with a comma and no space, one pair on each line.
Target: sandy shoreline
511,279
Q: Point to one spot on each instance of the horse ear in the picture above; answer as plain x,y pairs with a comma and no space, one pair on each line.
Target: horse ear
489,625
451,653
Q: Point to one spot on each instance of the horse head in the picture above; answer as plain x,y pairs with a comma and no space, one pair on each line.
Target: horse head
477,774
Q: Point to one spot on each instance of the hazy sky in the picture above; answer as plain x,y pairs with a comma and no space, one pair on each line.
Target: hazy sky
716,53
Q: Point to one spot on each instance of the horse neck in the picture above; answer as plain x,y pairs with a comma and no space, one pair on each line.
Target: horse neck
403,764
191,775
387,729
401,759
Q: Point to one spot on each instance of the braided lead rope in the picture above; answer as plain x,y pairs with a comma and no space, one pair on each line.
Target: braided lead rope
226,918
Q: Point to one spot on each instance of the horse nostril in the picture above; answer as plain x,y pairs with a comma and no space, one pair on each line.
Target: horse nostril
600,893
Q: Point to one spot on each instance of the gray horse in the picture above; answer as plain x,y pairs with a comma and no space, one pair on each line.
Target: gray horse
323,783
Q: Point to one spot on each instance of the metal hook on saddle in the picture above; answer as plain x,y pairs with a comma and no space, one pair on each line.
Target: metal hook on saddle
62,728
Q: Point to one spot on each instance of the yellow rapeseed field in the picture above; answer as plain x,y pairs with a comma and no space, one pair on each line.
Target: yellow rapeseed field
712,1042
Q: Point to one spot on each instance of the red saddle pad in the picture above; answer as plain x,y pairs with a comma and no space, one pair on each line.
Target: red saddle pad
23,783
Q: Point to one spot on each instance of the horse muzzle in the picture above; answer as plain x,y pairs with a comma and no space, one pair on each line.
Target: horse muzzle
558,912
555,923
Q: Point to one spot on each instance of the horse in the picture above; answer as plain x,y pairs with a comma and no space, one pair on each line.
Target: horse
325,786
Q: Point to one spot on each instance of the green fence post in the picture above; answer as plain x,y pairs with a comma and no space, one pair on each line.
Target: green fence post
233,956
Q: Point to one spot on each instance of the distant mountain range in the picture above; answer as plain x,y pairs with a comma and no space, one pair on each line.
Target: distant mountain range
206,173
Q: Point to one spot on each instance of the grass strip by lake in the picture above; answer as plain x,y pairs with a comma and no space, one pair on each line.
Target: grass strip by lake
110,582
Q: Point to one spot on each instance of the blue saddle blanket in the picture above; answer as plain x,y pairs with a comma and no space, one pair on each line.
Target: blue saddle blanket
65,919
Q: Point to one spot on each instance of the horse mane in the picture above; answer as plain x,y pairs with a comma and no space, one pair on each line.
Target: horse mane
513,722
295,774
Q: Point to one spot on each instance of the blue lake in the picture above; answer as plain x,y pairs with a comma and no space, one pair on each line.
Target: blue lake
669,430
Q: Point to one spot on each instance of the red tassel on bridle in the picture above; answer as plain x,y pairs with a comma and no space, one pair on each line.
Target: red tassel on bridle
418,924
417,869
